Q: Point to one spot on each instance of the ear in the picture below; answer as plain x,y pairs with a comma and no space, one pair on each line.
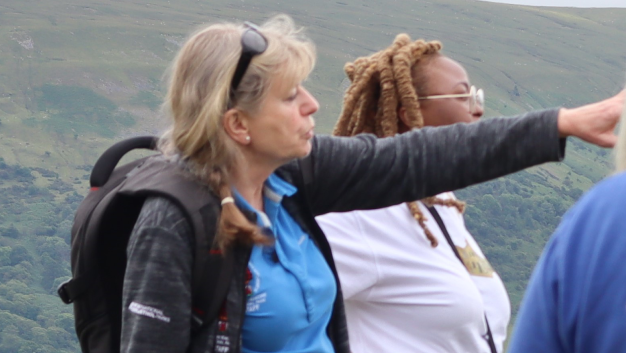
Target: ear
236,126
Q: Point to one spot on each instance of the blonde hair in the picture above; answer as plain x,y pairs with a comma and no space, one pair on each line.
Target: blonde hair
620,147
199,94
380,85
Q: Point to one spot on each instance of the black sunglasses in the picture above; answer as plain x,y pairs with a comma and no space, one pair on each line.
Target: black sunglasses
252,43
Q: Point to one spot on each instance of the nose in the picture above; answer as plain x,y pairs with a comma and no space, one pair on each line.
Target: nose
309,103
478,111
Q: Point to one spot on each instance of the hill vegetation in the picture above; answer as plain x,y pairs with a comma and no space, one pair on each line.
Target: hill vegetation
76,75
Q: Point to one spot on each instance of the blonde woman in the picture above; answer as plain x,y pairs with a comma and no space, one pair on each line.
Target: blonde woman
576,298
243,126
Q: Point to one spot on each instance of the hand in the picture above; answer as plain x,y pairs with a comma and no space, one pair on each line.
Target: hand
593,123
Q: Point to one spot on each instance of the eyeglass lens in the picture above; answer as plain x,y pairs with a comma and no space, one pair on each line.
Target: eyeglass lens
477,99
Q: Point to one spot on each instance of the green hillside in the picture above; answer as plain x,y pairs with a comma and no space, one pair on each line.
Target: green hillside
76,75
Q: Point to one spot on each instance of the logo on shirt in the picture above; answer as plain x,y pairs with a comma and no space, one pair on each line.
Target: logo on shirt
254,302
253,283
475,264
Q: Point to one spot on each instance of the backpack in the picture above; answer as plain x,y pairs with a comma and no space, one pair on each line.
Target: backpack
102,226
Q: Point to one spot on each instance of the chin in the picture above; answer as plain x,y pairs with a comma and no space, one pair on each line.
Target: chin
305,154
300,152
307,149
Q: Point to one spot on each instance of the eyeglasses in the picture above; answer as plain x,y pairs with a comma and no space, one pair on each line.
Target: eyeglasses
253,43
476,98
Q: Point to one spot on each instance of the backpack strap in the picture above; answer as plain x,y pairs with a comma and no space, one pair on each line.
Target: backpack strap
107,162
73,288
212,270
488,336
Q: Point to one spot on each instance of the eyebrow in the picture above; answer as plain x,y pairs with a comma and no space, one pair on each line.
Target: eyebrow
465,84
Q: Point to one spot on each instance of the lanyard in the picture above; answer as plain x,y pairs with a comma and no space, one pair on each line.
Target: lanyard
488,336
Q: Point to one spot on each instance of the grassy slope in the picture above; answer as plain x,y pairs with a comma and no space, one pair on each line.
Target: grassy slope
553,57
121,48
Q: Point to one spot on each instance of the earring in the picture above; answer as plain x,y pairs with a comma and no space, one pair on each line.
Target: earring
248,138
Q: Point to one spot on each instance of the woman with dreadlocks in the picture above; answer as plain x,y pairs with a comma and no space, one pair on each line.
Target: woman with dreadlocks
413,270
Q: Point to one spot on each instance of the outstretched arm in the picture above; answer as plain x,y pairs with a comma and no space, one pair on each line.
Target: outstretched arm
364,172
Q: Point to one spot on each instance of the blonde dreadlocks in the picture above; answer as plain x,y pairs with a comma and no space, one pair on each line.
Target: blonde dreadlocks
382,83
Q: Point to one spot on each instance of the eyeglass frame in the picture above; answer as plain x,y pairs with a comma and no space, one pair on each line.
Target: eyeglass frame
477,97
248,51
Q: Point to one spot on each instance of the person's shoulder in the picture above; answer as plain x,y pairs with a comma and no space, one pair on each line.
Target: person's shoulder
163,205
161,212
598,216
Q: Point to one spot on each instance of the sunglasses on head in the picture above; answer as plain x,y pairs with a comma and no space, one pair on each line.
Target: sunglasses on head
476,98
253,43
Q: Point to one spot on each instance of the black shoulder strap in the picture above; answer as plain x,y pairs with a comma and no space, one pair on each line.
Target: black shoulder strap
211,269
444,230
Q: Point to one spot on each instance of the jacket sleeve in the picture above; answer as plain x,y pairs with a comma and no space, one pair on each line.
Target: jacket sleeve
364,172
157,284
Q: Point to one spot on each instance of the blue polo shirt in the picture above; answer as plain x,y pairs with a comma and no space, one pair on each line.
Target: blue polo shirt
291,289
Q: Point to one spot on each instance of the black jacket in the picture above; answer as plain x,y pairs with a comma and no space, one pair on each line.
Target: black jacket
340,174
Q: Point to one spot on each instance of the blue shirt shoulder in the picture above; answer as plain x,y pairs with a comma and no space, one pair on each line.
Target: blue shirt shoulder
576,298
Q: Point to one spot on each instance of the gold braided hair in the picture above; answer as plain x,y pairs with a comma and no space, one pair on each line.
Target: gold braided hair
382,83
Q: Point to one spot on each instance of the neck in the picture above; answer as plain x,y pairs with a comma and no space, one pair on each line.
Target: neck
249,177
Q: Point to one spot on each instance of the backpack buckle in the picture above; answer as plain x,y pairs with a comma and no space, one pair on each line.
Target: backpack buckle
63,293
196,319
